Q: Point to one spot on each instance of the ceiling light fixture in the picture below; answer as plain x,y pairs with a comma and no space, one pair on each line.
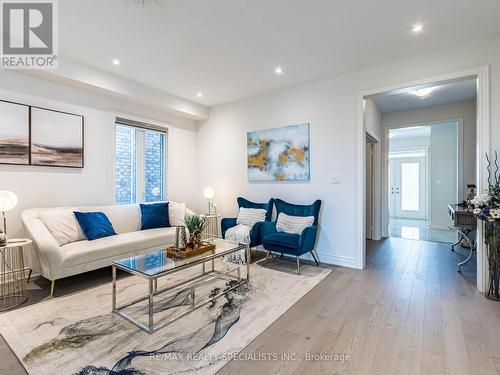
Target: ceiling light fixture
199,94
278,70
417,28
116,61
424,92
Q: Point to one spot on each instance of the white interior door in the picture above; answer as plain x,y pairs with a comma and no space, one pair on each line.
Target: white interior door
407,187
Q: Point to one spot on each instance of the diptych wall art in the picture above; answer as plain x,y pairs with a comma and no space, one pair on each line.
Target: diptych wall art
279,154
38,136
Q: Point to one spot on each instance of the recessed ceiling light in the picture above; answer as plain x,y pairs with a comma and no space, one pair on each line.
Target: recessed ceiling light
417,28
278,70
116,61
199,94
422,93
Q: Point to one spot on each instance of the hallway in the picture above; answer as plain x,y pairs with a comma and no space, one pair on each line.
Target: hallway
414,229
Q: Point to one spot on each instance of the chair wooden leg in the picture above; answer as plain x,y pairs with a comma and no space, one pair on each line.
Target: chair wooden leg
269,255
298,265
315,257
52,286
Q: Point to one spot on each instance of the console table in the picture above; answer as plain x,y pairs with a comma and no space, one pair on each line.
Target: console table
465,223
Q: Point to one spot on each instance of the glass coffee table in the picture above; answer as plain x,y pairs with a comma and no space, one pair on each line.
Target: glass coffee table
155,265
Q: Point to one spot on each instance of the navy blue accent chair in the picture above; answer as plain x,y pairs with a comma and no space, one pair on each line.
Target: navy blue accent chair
291,244
255,239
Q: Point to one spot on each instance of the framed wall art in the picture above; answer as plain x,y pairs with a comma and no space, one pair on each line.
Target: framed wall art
14,133
279,154
32,135
56,138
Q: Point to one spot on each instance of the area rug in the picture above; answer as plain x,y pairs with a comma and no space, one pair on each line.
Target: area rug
78,333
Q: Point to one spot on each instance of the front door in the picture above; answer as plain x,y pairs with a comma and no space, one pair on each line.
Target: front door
407,187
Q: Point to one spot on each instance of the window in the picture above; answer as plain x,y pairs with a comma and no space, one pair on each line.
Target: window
410,183
140,162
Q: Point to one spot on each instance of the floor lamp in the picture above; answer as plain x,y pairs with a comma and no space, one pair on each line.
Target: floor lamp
8,201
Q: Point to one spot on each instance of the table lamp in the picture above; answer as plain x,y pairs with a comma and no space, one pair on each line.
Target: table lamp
8,200
209,193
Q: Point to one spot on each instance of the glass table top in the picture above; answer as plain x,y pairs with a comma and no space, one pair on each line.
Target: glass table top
158,262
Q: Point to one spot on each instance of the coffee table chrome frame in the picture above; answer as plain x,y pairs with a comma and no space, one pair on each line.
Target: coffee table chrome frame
204,277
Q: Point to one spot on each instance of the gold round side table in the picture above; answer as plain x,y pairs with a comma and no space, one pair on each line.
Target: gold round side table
212,229
14,276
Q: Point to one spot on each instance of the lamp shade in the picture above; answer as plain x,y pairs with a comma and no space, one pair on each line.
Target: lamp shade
209,193
8,200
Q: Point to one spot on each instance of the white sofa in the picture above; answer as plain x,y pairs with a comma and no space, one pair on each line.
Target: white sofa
73,258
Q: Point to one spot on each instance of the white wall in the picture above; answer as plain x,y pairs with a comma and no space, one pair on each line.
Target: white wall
396,144
443,173
92,185
329,105
466,111
373,119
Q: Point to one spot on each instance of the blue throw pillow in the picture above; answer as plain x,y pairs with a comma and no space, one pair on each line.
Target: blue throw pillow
154,215
94,225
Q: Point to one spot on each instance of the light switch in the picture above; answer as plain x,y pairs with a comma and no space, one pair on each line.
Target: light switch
336,179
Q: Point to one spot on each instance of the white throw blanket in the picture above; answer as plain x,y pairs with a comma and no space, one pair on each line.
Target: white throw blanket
241,234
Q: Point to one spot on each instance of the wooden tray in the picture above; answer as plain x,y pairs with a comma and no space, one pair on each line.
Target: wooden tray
189,251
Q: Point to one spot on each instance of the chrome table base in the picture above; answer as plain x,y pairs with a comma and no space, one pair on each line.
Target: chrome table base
464,236
203,278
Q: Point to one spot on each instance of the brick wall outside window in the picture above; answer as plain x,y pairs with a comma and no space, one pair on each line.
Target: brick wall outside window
126,161
153,166
125,169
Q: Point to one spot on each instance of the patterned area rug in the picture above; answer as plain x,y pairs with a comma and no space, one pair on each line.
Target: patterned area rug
78,334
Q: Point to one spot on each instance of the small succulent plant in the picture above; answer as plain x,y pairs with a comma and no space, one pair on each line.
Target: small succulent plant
195,225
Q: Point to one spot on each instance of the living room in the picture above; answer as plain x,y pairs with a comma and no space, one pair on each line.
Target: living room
297,294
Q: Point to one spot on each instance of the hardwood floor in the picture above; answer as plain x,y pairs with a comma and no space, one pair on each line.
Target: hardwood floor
409,312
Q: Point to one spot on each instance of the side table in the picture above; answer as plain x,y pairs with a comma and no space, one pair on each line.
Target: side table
13,279
212,229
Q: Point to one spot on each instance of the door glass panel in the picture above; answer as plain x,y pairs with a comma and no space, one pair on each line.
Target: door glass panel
410,176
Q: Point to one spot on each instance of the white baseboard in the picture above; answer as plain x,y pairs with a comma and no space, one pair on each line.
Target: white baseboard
337,260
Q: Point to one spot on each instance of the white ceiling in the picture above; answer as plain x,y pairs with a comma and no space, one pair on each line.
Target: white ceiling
228,49
405,99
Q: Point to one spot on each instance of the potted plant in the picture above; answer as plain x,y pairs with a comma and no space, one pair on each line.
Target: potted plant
487,209
195,225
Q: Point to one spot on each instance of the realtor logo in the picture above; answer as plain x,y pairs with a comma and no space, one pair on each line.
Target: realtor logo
29,34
